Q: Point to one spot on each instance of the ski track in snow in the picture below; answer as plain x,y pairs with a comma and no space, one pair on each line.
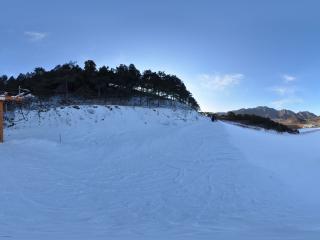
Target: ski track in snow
138,173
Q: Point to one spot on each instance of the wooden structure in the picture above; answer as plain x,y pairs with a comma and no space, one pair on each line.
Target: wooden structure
6,98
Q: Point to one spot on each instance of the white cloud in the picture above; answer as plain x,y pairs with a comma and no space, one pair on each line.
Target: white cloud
284,90
35,36
220,82
287,93
288,78
284,102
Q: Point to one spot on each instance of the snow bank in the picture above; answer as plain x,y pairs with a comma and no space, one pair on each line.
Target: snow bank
138,173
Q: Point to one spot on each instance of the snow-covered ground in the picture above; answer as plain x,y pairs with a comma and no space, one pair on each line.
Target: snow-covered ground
138,173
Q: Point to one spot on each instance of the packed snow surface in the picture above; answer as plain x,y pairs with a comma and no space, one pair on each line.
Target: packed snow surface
106,172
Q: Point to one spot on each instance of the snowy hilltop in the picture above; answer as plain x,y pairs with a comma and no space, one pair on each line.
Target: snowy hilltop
109,172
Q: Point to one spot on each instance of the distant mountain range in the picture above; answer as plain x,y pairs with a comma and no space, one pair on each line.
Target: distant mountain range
287,117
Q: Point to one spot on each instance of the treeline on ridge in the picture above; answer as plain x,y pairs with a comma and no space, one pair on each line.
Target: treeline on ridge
89,82
253,120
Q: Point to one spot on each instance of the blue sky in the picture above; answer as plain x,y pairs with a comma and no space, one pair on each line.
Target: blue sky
230,54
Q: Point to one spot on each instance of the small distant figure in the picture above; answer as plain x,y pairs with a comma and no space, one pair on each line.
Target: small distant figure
213,118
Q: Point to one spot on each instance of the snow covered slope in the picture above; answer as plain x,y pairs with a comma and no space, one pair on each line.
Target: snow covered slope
137,173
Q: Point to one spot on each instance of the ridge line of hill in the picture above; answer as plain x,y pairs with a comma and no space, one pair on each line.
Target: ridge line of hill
289,118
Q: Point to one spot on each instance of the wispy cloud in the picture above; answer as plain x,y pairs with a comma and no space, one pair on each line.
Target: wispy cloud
220,81
286,94
284,102
284,90
288,78
35,36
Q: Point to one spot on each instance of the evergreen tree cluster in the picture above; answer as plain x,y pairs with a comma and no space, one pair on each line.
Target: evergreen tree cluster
89,82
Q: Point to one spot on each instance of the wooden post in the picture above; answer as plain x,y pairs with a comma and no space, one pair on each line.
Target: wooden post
1,121
2,100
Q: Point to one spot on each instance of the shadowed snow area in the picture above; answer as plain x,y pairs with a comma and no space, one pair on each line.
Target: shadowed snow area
139,173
